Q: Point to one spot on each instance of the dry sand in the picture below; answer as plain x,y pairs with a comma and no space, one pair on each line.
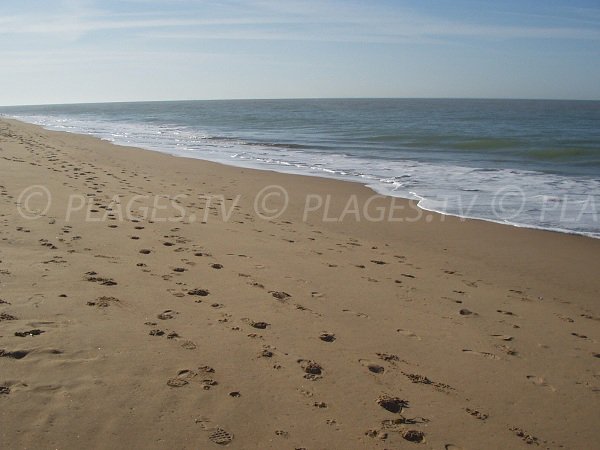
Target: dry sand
287,333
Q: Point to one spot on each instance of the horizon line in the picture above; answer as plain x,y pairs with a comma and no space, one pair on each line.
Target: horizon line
298,98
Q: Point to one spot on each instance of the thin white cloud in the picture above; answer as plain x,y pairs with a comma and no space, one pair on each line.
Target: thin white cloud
62,24
277,20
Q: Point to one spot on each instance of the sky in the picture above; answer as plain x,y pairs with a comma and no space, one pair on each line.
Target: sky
74,51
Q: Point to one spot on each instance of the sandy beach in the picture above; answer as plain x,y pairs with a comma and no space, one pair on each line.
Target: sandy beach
155,302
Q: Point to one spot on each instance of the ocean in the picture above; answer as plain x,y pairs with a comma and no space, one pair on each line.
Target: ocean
531,163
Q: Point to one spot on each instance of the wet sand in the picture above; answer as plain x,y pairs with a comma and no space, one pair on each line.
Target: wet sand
157,302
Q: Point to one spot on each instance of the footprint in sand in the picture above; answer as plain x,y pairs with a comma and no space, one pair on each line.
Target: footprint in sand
103,302
199,292
312,370
477,414
220,436
508,350
175,293
327,337
167,314
186,376
408,333
371,366
280,295
392,404
582,336
540,381
216,434
266,353
189,345
176,382
377,434
6,316
16,354
92,277
565,318
589,316
388,357
484,354
414,436
421,379
504,337
357,314
526,437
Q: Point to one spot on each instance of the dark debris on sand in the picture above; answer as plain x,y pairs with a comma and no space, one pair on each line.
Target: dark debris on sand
35,332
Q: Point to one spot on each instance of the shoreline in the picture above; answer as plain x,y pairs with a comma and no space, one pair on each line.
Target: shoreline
416,201
340,191
410,196
293,331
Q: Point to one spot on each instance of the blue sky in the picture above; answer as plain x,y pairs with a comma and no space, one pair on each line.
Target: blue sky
67,51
